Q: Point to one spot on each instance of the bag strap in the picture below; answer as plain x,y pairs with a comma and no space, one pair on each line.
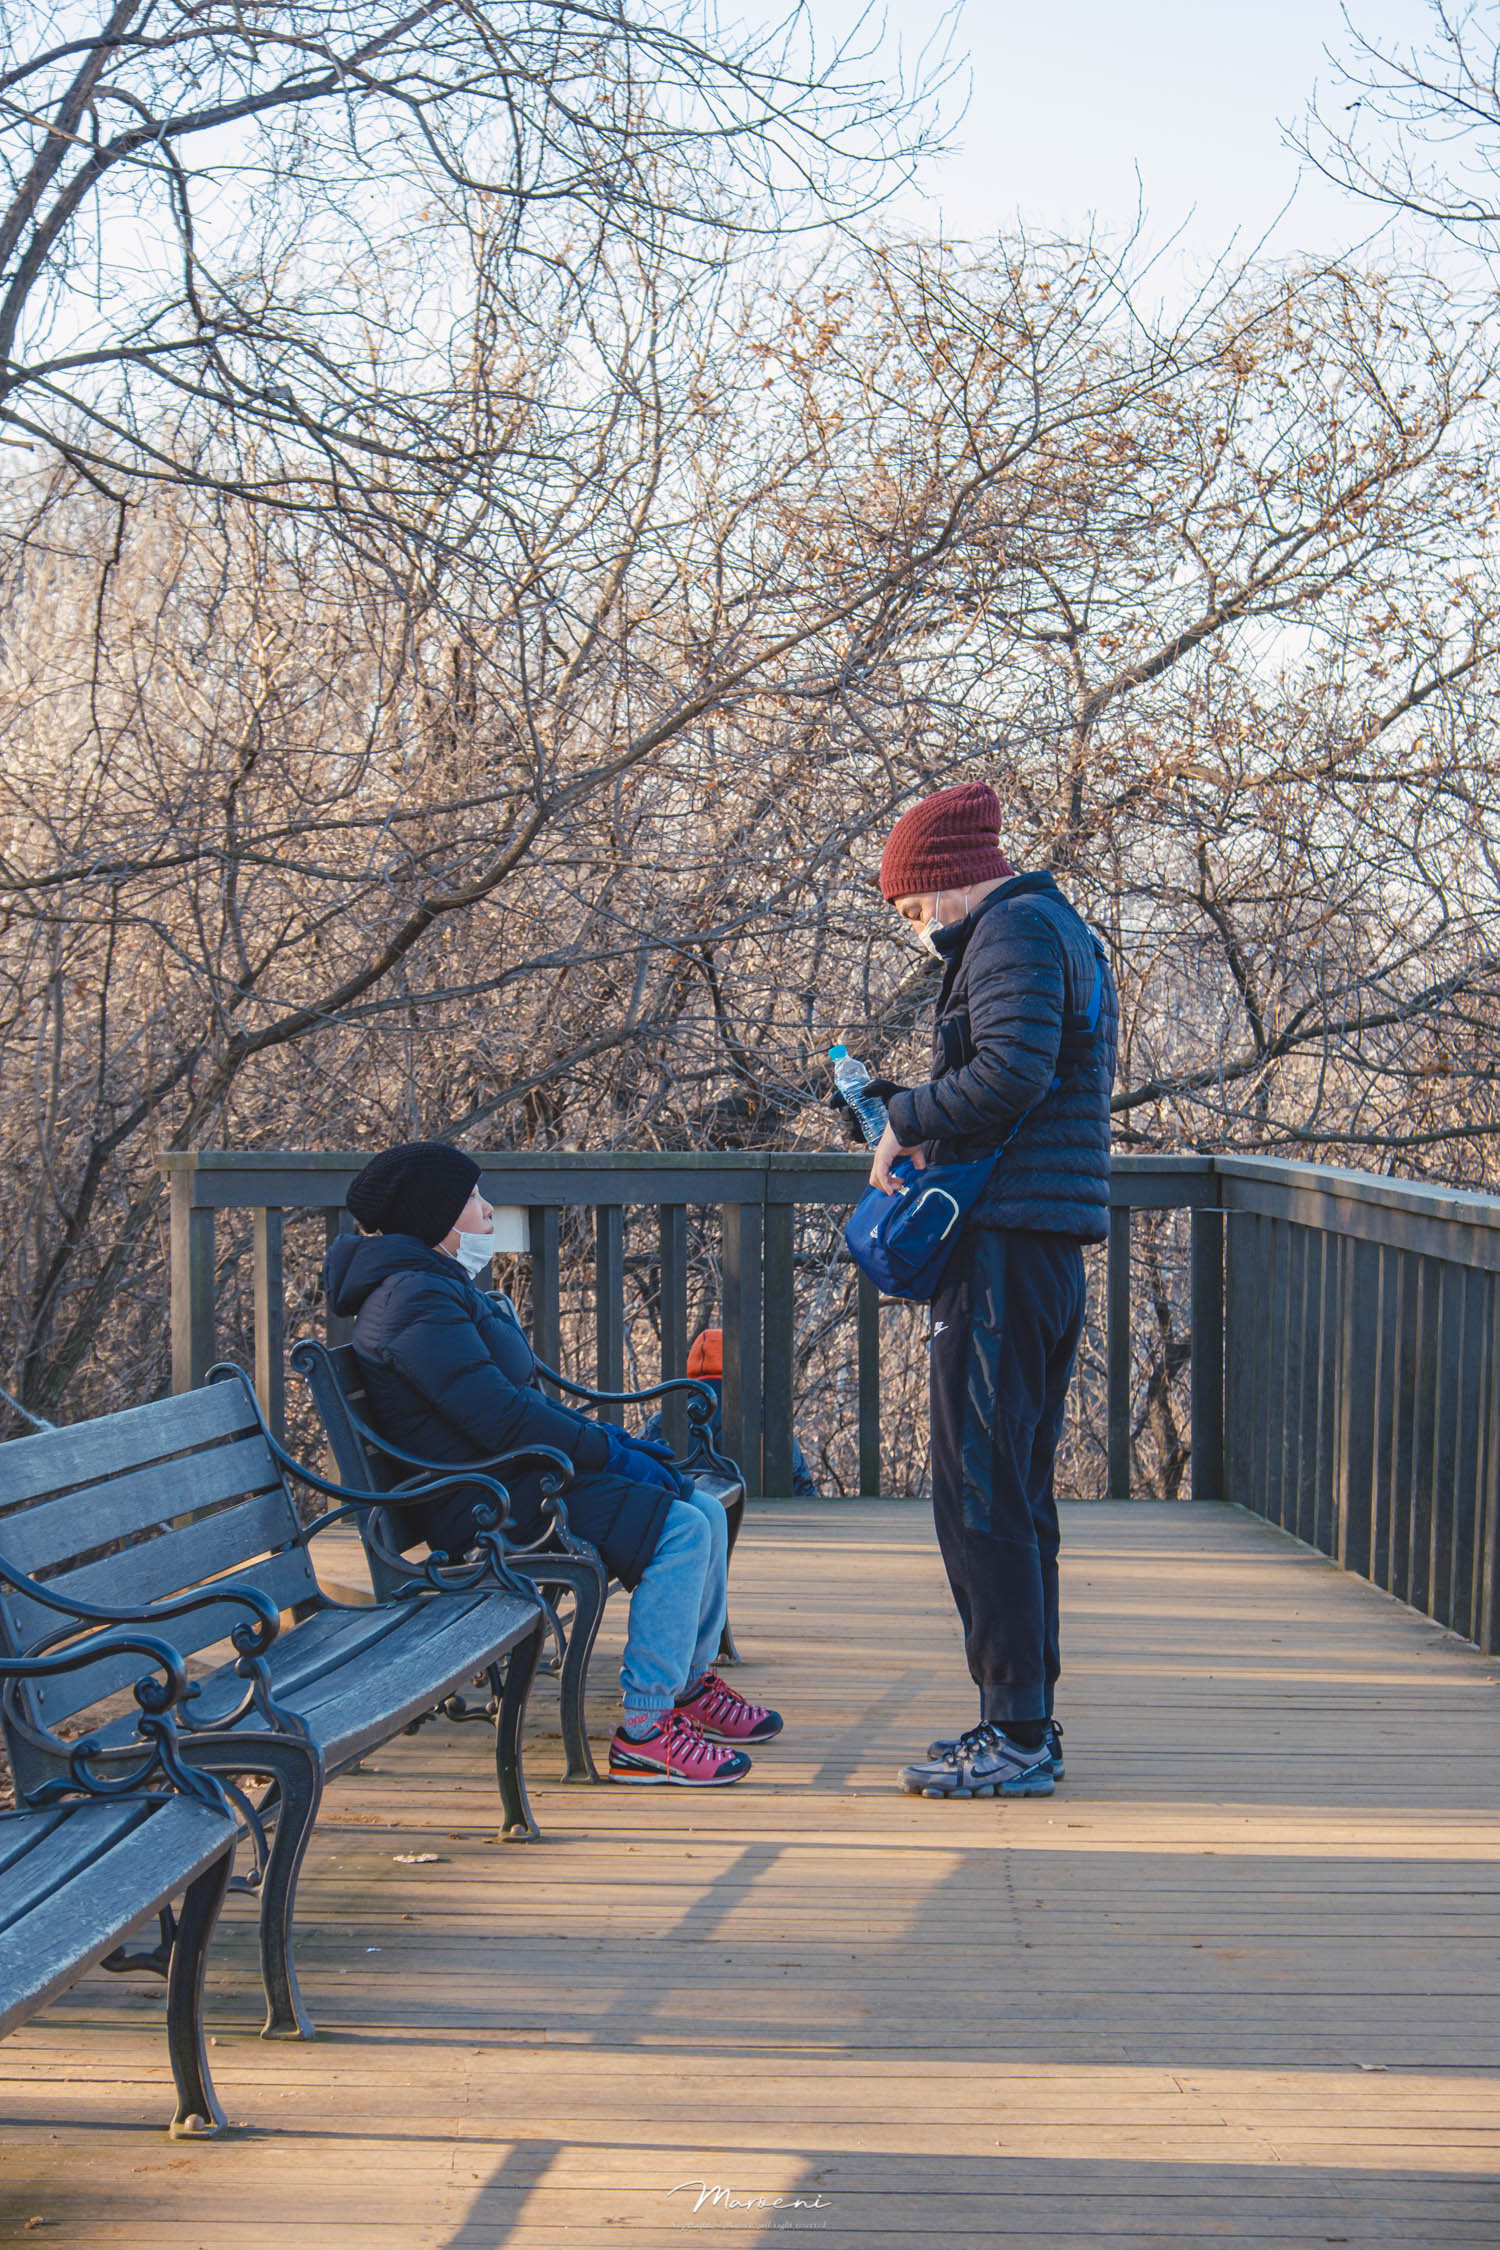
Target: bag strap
1075,1026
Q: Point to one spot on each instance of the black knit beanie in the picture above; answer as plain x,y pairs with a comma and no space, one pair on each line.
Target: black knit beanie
418,1188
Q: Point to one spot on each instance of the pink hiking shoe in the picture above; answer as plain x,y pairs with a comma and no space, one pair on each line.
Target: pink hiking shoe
675,1751
725,1716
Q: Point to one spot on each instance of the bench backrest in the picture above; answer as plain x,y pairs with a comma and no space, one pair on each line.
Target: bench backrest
336,1380
137,1506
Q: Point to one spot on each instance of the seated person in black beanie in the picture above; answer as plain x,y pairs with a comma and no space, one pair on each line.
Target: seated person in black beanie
449,1375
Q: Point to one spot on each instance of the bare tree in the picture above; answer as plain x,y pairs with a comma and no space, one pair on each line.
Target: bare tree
561,833
258,249
1415,126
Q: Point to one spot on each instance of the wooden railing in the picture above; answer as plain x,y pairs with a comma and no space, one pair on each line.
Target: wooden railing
1344,1329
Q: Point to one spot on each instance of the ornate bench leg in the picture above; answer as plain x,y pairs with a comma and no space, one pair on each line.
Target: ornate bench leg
735,1511
587,1585
198,2111
297,1771
520,1670
299,1779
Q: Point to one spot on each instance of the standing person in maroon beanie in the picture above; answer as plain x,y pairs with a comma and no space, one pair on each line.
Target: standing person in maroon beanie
1023,1062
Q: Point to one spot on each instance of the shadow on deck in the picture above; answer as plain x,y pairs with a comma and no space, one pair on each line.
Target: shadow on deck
1235,1982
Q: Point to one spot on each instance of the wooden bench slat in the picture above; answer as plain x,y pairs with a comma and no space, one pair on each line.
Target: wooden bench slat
107,1891
371,1695
286,1578
48,1533
54,1460
63,1849
354,1677
322,1649
19,1838
156,1567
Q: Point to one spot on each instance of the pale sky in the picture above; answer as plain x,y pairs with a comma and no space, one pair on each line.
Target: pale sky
1070,98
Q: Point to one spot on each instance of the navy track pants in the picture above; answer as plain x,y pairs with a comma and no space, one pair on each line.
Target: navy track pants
1005,1327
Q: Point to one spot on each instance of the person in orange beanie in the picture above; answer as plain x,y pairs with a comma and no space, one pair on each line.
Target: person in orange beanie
705,1361
706,1354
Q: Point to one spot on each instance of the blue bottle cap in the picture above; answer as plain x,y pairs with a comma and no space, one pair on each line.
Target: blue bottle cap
838,1054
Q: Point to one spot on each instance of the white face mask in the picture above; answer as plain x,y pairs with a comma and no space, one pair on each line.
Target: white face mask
474,1252
928,935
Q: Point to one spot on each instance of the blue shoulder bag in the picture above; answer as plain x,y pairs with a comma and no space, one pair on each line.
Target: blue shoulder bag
903,1242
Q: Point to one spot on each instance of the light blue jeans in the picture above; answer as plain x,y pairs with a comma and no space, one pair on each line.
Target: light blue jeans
677,1611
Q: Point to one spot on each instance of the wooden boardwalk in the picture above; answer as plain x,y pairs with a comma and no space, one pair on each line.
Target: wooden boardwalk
1236,1982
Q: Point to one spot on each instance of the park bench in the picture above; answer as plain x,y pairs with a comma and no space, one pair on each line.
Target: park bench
81,1872
560,1563
179,1517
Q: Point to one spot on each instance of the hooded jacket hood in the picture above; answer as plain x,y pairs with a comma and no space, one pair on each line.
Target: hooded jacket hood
357,1264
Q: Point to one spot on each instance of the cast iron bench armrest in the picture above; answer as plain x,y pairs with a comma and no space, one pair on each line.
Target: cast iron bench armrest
551,1455
252,1638
557,1534
442,1573
348,1495
556,1537
700,1445
559,1473
437,1476
249,1640
155,1753
439,1572
627,1398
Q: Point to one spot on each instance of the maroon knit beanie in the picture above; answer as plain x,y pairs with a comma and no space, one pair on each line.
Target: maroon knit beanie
945,843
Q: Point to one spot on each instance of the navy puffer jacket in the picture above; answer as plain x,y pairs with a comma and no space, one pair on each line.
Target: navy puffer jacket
449,1374
1010,1045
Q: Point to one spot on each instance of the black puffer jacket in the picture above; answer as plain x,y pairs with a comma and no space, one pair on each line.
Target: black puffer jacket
1010,1044
449,1375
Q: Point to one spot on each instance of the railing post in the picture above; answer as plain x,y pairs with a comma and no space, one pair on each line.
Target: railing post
1117,1351
1486,1566
780,1337
1360,1389
337,1329
546,1306
743,1362
672,1316
192,1283
609,1304
270,1319
1207,1364
868,1333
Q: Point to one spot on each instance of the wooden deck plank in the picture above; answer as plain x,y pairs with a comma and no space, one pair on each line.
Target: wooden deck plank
1236,1982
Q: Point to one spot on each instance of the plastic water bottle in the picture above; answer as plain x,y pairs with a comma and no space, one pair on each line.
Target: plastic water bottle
850,1076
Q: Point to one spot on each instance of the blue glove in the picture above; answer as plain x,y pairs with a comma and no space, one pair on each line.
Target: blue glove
654,1446
627,1458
